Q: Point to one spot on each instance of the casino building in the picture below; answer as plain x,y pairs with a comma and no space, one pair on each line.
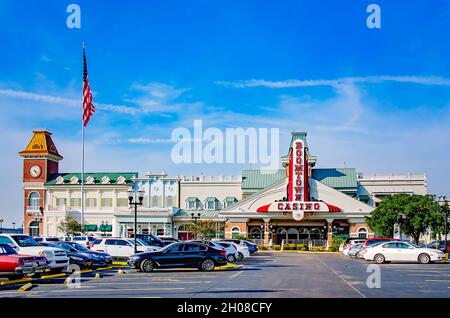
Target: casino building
298,203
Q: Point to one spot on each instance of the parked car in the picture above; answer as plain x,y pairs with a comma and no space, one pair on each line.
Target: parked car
242,249
348,242
440,245
183,255
252,247
15,265
144,244
401,251
75,258
152,240
57,259
119,247
353,250
86,240
99,259
230,249
373,241
48,239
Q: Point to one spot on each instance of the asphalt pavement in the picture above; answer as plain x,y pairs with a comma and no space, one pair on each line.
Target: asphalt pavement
265,275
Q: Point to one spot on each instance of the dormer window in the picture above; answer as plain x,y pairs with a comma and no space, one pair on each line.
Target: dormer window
90,180
211,203
121,180
60,180
192,203
74,180
105,180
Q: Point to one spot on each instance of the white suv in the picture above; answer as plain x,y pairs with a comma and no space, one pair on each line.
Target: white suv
23,244
120,247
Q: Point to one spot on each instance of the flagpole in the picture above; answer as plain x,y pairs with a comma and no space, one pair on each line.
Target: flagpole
82,166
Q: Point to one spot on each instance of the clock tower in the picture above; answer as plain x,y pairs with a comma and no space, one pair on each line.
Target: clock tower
40,162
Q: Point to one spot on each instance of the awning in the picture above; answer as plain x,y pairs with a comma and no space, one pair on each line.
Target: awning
363,197
90,227
105,228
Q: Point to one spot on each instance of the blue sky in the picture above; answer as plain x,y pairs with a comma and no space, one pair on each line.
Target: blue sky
376,100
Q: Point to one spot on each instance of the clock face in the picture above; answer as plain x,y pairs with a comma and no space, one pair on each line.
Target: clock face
35,171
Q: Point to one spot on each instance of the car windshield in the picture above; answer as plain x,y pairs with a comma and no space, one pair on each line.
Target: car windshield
79,247
7,250
25,241
142,243
66,247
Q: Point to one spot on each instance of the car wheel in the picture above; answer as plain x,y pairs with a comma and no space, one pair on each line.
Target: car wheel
207,265
357,255
146,266
424,258
379,259
231,258
240,256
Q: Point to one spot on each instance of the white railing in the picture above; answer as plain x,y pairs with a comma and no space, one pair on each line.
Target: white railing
210,178
392,177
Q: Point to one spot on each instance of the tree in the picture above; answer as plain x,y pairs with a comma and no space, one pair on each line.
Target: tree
205,229
415,214
69,226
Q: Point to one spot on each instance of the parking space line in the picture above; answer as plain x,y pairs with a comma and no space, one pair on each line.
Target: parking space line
237,274
438,280
340,276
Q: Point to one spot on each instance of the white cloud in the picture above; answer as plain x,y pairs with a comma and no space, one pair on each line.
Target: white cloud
422,80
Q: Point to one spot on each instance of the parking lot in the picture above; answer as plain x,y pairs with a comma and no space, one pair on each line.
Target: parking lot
264,275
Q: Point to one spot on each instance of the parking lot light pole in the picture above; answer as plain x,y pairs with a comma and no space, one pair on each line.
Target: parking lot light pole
195,217
1,225
135,198
443,202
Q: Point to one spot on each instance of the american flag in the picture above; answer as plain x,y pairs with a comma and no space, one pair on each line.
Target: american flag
88,107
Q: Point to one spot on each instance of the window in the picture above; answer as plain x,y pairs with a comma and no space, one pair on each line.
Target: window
75,202
390,245
122,202
235,231
5,240
292,234
192,205
191,247
169,201
402,245
211,205
34,229
176,248
61,201
33,201
362,233
106,202
155,202
91,203
255,233
160,232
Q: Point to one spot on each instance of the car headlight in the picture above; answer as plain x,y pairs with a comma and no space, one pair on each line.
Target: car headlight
47,254
75,258
134,258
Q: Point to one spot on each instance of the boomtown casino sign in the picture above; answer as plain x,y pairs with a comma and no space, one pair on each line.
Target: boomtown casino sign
298,188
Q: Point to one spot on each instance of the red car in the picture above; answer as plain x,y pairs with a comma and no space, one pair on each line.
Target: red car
15,265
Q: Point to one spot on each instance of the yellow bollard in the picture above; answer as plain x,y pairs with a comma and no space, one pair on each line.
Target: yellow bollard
98,276
26,287
121,272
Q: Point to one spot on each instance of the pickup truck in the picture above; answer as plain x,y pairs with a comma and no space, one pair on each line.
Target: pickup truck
57,259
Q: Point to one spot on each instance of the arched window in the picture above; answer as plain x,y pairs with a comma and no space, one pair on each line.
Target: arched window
34,229
362,233
33,201
169,200
314,234
292,234
303,233
255,233
235,231
155,201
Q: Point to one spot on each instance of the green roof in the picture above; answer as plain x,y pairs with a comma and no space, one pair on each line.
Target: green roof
337,178
231,199
204,214
192,199
98,176
299,136
261,179
211,199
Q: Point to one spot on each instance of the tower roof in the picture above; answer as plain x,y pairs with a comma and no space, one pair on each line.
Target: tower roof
41,144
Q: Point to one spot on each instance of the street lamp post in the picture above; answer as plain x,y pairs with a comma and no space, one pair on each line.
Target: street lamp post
195,217
135,199
442,203
1,225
